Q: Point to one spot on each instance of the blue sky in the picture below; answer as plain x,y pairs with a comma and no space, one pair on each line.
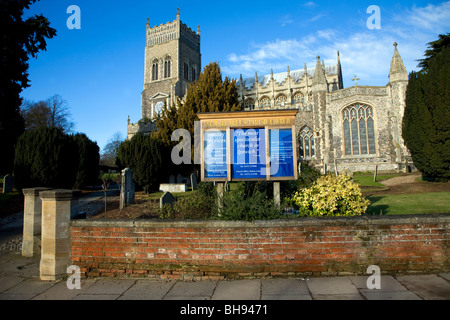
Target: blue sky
99,69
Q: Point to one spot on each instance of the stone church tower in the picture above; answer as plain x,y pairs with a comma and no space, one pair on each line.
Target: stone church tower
172,62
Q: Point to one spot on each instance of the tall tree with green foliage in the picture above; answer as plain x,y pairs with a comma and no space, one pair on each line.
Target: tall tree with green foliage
19,40
87,168
435,47
426,123
148,159
210,93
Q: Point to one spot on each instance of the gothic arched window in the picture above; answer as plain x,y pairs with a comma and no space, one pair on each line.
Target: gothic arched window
167,67
299,99
307,147
359,130
249,104
194,74
155,70
265,103
281,101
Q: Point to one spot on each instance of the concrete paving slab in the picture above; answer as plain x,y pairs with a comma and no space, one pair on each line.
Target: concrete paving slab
390,295
60,291
274,287
12,263
192,289
30,286
331,286
16,296
428,287
388,283
355,296
188,298
238,290
9,282
147,290
285,297
446,276
101,297
110,286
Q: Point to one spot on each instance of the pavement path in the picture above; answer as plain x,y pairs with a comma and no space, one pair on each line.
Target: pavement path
19,280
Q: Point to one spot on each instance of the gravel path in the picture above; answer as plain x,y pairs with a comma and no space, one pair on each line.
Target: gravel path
401,180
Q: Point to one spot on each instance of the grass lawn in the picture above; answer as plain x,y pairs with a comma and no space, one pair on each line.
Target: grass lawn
417,203
367,180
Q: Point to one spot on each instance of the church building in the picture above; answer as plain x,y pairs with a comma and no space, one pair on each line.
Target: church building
355,128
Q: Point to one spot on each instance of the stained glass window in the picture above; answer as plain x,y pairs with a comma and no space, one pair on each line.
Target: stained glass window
249,104
359,130
281,101
265,103
299,99
307,147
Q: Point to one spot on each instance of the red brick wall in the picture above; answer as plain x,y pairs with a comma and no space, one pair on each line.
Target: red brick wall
221,250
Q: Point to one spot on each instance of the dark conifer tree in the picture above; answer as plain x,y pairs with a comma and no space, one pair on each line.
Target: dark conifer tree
19,40
426,123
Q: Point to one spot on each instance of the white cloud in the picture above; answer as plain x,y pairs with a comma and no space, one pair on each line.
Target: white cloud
366,53
286,20
317,17
432,17
310,4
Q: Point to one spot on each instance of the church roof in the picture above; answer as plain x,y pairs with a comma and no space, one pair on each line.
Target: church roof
279,78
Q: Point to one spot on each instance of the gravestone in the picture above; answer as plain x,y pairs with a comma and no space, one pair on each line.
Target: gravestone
173,187
8,183
179,178
128,189
193,180
172,179
167,198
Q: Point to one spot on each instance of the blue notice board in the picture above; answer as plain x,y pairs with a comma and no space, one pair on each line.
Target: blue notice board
281,153
215,154
249,153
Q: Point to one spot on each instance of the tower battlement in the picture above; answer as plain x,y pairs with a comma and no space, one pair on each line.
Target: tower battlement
174,30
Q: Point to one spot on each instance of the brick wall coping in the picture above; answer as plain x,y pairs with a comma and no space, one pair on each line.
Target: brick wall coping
298,222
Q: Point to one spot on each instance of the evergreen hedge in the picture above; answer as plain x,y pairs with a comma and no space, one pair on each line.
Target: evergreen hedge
148,158
50,158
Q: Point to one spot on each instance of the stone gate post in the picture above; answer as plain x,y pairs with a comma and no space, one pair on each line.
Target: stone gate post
32,220
55,242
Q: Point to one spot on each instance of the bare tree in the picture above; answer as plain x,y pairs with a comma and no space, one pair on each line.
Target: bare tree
111,150
59,115
53,112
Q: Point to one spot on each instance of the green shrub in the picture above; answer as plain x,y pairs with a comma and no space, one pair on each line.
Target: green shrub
309,175
166,212
331,196
243,206
196,206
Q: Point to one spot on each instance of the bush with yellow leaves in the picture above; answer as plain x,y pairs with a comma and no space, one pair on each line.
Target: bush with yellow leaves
331,196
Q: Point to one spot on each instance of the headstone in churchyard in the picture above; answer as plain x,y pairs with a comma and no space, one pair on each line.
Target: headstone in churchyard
128,188
167,198
172,179
193,180
179,178
8,183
